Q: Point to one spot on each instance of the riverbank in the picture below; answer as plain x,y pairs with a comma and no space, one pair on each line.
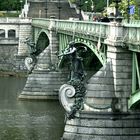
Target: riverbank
15,74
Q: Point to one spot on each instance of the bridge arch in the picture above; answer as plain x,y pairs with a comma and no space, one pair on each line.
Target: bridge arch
2,33
11,33
42,41
97,48
92,60
134,101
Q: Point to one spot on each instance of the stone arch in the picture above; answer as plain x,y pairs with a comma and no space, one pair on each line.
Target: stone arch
134,101
2,33
11,33
92,60
100,52
42,41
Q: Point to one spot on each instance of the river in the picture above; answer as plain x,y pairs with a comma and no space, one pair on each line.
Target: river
27,120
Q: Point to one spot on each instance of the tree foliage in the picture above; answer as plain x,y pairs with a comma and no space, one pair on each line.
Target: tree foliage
10,5
124,8
86,5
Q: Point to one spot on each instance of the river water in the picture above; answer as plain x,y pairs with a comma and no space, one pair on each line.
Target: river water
27,120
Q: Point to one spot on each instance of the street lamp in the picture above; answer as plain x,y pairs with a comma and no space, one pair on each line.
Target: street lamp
46,8
117,7
118,17
21,1
92,5
107,3
80,6
86,2
128,11
59,9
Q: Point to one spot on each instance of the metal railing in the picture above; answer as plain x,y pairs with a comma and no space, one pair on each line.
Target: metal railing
14,20
130,33
80,27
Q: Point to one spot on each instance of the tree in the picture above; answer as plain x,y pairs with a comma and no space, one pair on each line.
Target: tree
123,7
8,5
87,5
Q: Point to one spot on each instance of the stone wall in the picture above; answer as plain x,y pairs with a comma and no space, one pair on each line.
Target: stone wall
13,50
7,57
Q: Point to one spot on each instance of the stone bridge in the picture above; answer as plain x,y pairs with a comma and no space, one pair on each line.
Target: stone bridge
111,103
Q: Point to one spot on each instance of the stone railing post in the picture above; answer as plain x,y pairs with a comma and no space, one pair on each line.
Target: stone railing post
24,32
53,42
120,58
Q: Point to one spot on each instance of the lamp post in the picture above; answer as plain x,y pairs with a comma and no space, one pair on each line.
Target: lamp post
59,10
107,3
46,9
21,1
128,11
80,6
92,10
118,17
117,7
92,5
86,2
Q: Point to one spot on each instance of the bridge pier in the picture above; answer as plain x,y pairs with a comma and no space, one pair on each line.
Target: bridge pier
25,30
106,114
45,80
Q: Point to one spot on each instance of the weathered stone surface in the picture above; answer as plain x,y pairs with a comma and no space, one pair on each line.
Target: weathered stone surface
103,126
45,84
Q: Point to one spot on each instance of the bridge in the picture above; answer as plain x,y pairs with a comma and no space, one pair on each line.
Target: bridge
112,97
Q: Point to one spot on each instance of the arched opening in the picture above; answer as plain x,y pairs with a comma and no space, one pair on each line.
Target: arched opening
90,61
135,97
11,33
42,42
2,33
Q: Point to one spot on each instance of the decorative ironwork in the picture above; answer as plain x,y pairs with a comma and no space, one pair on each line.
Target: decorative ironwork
135,96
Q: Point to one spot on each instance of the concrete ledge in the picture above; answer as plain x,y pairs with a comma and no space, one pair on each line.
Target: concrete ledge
91,125
37,97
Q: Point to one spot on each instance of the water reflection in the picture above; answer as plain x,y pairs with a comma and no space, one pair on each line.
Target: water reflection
27,120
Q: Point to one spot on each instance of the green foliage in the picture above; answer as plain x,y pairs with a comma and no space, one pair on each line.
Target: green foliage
87,5
124,8
9,5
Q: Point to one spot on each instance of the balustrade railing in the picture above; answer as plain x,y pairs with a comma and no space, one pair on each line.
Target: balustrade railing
131,31
12,20
81,27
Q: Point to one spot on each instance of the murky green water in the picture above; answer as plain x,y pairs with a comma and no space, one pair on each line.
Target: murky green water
27,120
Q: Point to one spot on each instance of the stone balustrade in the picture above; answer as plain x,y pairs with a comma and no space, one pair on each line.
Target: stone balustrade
130,35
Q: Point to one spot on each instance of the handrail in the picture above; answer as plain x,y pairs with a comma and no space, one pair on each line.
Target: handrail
83,27
130,32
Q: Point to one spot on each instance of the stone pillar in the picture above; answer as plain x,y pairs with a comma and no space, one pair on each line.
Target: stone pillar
6,33
24,31
121,59
105,115
45,80
54,46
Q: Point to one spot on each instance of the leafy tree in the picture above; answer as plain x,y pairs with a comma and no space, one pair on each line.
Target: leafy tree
9,5
124,8
87,5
